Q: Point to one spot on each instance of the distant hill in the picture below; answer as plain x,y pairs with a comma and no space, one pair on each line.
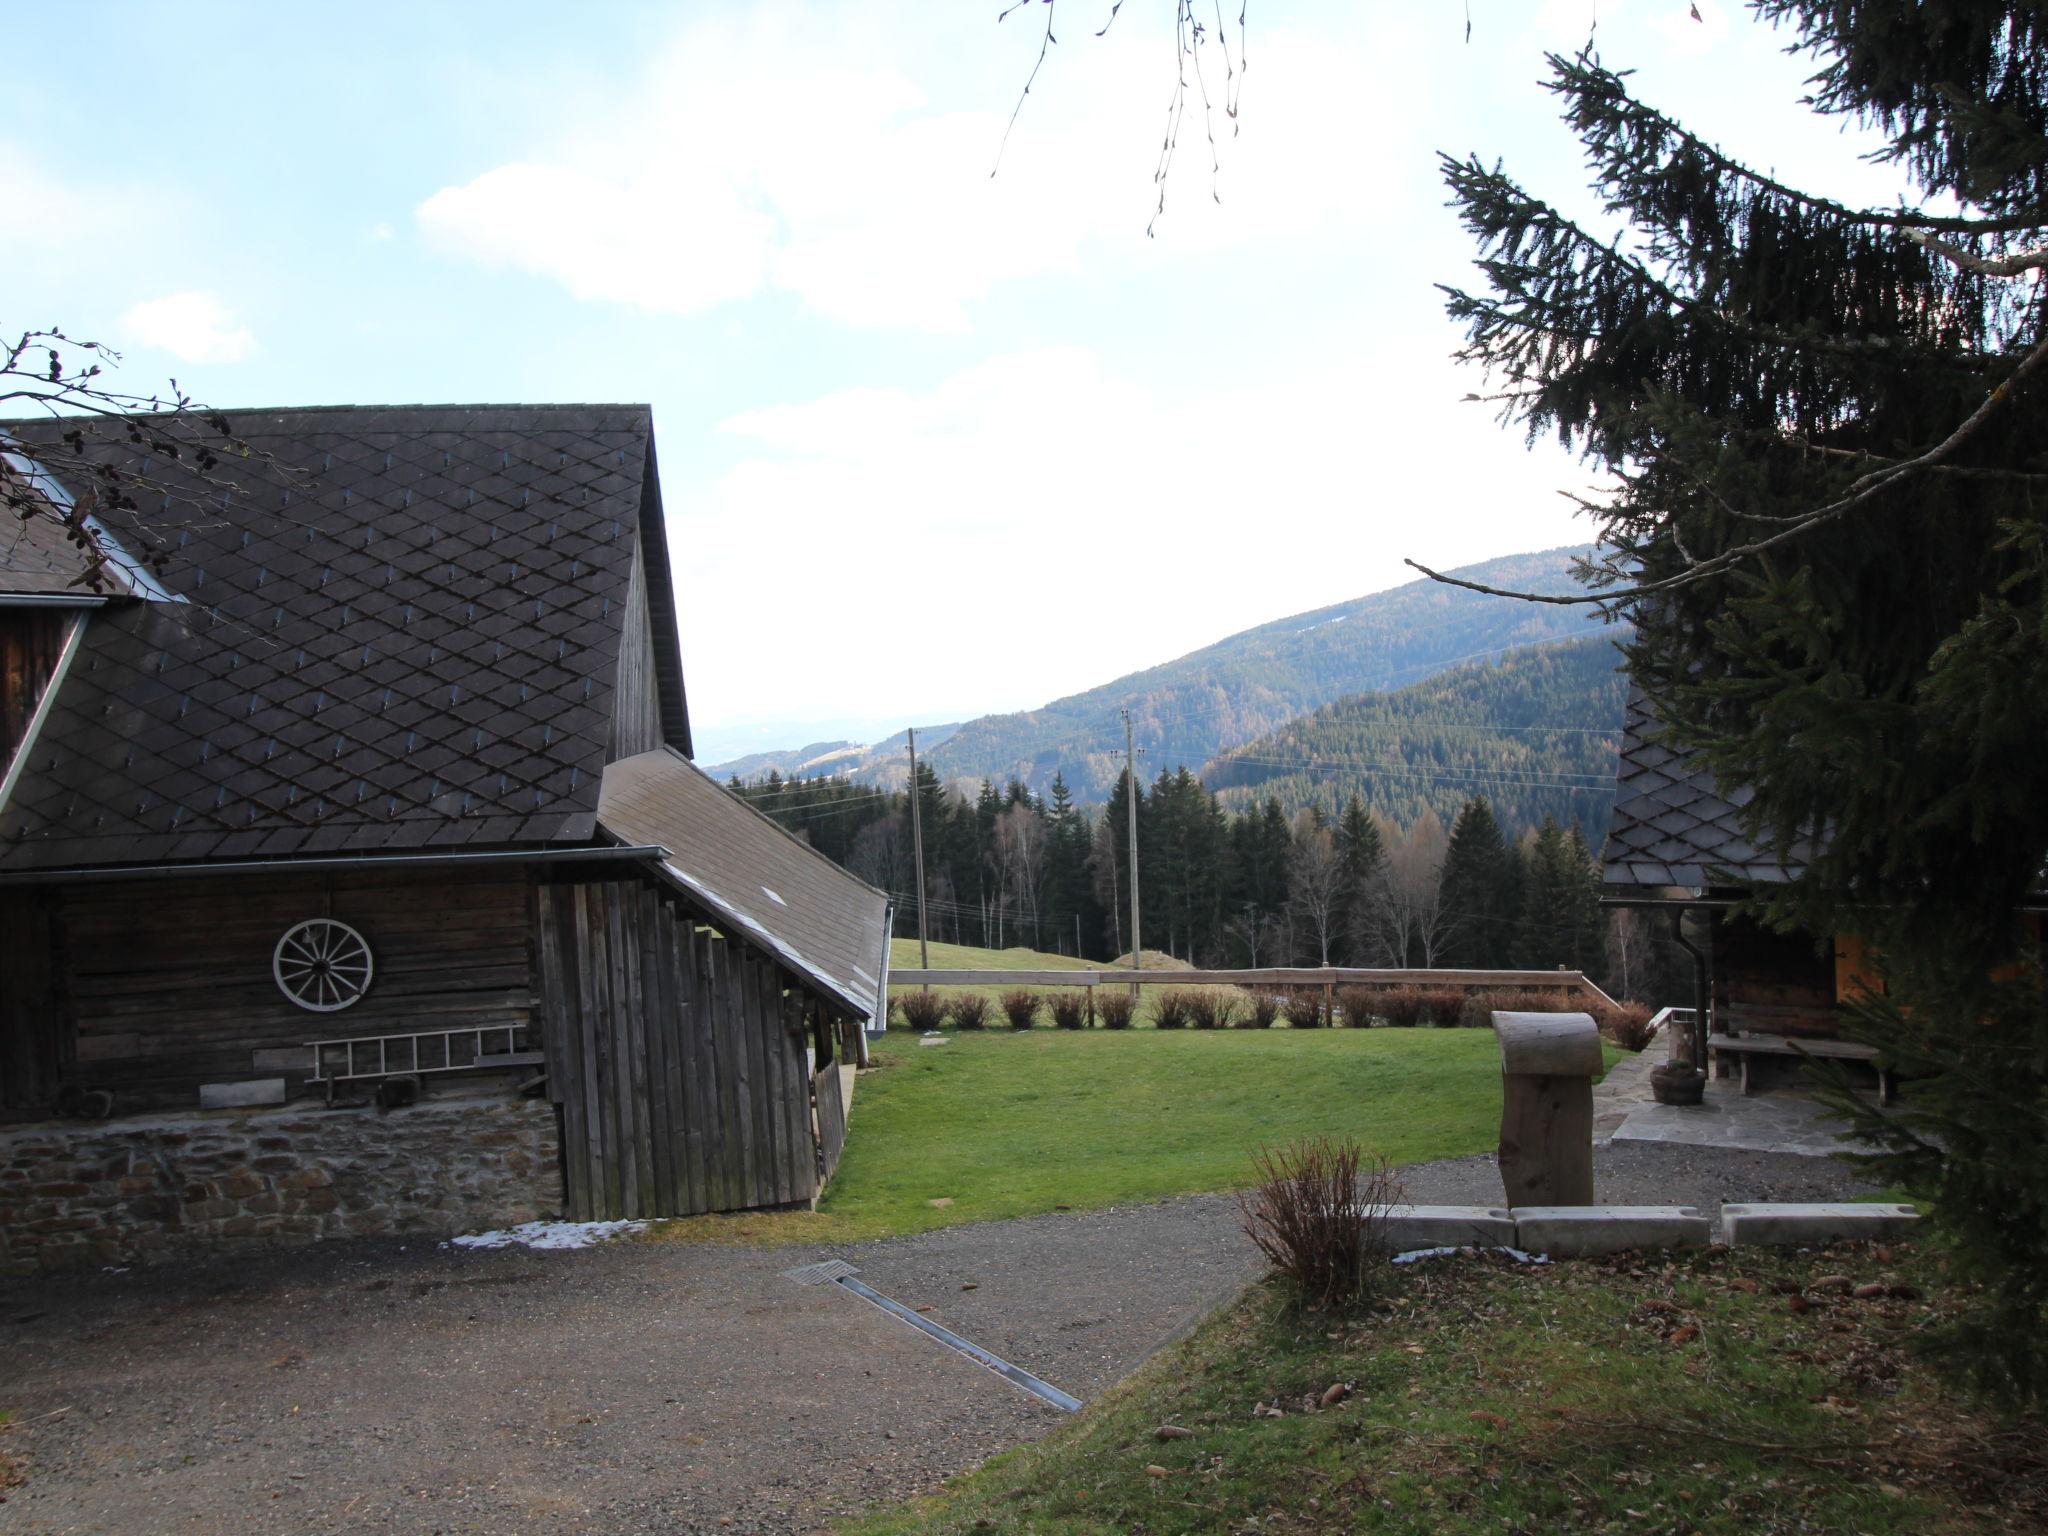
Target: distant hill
1535,731
1187,710
885,761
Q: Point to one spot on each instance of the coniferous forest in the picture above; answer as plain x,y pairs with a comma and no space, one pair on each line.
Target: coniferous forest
1235,879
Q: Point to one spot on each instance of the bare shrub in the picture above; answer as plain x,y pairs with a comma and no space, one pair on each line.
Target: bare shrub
1020,1006
1358,1006
969,1011
1069,1007
1318,1213
1400,1007
922,1009
1214,1007
1260,1010
1303,1008
1115,1009
1478,1008
1627,1025
1173,1008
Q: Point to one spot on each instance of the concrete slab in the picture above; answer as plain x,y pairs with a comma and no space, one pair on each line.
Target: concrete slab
1587,1231
1790,1225
1782,1120
1448,1226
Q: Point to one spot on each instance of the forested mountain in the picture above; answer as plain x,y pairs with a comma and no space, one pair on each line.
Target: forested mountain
1187,710
1535,731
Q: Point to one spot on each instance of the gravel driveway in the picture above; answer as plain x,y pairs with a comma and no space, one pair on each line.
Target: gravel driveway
638,1387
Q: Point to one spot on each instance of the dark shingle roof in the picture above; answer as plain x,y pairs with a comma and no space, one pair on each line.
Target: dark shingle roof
404,634
1672,825
822,921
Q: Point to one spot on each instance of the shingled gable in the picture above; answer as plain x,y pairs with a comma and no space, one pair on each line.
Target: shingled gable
1672,825
823,922
406,634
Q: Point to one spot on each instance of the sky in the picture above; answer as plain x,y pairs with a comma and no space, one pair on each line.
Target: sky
939,433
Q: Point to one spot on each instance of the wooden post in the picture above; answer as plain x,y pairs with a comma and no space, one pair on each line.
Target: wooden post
1548,1062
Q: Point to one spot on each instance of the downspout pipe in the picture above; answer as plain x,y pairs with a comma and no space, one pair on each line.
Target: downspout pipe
1699,988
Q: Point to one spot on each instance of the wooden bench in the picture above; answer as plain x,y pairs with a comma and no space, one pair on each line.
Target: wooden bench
1746,1048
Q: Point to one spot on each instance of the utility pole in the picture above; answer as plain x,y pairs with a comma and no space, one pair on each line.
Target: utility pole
1131,768
924,948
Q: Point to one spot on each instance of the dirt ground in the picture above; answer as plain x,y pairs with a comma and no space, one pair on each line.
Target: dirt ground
641,1387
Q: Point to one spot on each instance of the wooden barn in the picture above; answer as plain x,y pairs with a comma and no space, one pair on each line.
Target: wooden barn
380,790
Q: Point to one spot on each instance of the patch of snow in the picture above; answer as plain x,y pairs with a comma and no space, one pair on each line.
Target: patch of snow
772,896
549,1234
1415,1255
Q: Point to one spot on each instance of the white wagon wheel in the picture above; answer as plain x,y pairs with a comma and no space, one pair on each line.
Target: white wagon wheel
322,965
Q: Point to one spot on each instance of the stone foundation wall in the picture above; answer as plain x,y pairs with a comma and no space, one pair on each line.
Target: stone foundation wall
133,1191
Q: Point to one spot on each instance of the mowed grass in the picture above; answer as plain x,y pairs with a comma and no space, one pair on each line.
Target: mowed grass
1735,1391
1003,1123
1000,1123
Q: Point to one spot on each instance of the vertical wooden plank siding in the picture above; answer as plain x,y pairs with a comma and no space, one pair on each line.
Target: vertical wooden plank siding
595,1010
701,1064
800,1129
831,1119
659,1028
676,1057
558,1040
764,1029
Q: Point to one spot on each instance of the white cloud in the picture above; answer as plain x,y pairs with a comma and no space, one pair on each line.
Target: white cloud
195,327
771,155
1036,523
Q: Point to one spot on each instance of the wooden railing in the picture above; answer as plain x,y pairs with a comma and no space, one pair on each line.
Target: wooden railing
1272,976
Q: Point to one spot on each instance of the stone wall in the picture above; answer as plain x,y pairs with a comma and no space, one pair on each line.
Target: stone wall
132,1191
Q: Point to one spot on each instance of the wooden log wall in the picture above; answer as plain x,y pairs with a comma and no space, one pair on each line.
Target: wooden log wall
675,1056
33,1045
162,985
1772,983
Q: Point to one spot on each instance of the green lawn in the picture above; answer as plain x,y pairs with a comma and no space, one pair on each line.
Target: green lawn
1013,1124
1001,1123
1698,1395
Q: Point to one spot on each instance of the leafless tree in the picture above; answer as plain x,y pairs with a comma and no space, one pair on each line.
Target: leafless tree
1192,82
1315,877
1102,865
1255,931
1404,910
1020,861
73,484
880,854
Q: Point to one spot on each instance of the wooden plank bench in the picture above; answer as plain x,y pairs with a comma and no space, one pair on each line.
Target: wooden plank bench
1746,1048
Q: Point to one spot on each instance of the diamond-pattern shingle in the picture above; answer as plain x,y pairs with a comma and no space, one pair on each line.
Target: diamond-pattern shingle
402,631
1672,825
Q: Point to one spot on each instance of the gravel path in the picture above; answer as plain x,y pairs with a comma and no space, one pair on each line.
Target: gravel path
635,1388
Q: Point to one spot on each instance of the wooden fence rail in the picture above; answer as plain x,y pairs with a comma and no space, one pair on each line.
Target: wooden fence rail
1279,976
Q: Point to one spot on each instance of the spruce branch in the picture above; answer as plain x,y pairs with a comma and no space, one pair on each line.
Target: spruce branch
2014,265
1859,493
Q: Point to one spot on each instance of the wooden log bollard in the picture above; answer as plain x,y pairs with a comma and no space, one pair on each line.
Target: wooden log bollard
1548,1062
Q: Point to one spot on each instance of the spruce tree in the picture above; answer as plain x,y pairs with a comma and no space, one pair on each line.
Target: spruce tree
1477,891
1362,860
1826,431
1544,934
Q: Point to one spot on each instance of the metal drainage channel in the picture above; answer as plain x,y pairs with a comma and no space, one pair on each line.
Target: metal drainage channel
840,1273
